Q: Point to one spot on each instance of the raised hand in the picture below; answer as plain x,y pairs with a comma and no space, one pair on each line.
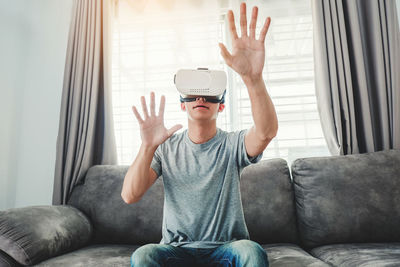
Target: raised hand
248,54
152,129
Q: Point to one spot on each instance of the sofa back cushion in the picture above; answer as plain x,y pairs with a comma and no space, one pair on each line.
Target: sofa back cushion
348,198
266,191
113,220
268,202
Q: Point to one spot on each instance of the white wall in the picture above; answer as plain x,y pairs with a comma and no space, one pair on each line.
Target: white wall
33,42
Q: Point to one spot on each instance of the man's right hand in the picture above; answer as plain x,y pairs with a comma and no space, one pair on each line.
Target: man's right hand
152,129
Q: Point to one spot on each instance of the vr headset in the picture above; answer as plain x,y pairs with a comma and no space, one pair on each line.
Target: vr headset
210,84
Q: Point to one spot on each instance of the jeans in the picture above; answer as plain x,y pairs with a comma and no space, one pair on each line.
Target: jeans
236,253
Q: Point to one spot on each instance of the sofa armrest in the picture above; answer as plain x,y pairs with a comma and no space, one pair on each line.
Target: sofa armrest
7,261
35,233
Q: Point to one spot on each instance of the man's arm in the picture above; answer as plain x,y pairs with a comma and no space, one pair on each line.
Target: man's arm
247,59
265,119
140,176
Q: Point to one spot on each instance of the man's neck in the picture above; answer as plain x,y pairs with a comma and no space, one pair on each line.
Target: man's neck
200,132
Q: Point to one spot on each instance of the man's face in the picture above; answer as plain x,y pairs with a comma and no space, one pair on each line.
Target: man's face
202,110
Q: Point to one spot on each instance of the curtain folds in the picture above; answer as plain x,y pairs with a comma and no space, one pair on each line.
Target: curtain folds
357,66
86,129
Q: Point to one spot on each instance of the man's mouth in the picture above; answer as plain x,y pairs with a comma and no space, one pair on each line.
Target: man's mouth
200,106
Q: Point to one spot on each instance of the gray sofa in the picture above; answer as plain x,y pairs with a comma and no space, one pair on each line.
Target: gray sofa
324,211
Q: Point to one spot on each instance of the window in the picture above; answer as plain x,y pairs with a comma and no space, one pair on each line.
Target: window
152,40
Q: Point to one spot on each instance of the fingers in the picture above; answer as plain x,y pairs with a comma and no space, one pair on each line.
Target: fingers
243,19
137,115
162,106
253,23
152,108
152,104
144,107
243,23
264,30
232,26
226,55
175,128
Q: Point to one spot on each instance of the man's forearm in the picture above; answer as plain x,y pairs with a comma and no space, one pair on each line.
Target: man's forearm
136,180
262,108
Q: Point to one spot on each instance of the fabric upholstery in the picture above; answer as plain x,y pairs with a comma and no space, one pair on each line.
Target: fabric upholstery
366,255
97,255
279,255
348,199
266,192
339,198
268,202
35,233
290,255
115,221
7,261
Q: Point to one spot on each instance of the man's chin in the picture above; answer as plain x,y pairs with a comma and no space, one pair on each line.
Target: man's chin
201,117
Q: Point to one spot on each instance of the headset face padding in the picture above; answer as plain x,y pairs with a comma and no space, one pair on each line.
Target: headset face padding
219,99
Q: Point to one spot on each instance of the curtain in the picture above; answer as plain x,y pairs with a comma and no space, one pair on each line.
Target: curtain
86,135
357,66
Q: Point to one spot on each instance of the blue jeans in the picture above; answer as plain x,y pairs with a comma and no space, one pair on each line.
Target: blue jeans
236,253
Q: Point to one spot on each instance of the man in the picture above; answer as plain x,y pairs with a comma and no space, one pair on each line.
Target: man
203,217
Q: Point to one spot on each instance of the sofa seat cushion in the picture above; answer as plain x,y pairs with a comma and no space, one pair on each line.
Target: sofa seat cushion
94,255
359,254
290,255
279,255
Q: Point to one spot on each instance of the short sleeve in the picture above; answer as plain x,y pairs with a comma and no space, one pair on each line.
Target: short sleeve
243,159
156,163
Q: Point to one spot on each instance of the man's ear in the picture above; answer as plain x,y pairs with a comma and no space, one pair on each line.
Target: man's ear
221,107
183,107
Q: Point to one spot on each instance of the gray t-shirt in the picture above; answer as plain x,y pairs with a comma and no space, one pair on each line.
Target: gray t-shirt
202,204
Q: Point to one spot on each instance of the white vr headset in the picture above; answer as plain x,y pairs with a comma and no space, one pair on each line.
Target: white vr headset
201,82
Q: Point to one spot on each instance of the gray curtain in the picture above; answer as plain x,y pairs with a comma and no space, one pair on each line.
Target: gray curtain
86,134
357,74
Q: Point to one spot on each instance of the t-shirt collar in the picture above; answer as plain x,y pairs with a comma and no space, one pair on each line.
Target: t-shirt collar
203,145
